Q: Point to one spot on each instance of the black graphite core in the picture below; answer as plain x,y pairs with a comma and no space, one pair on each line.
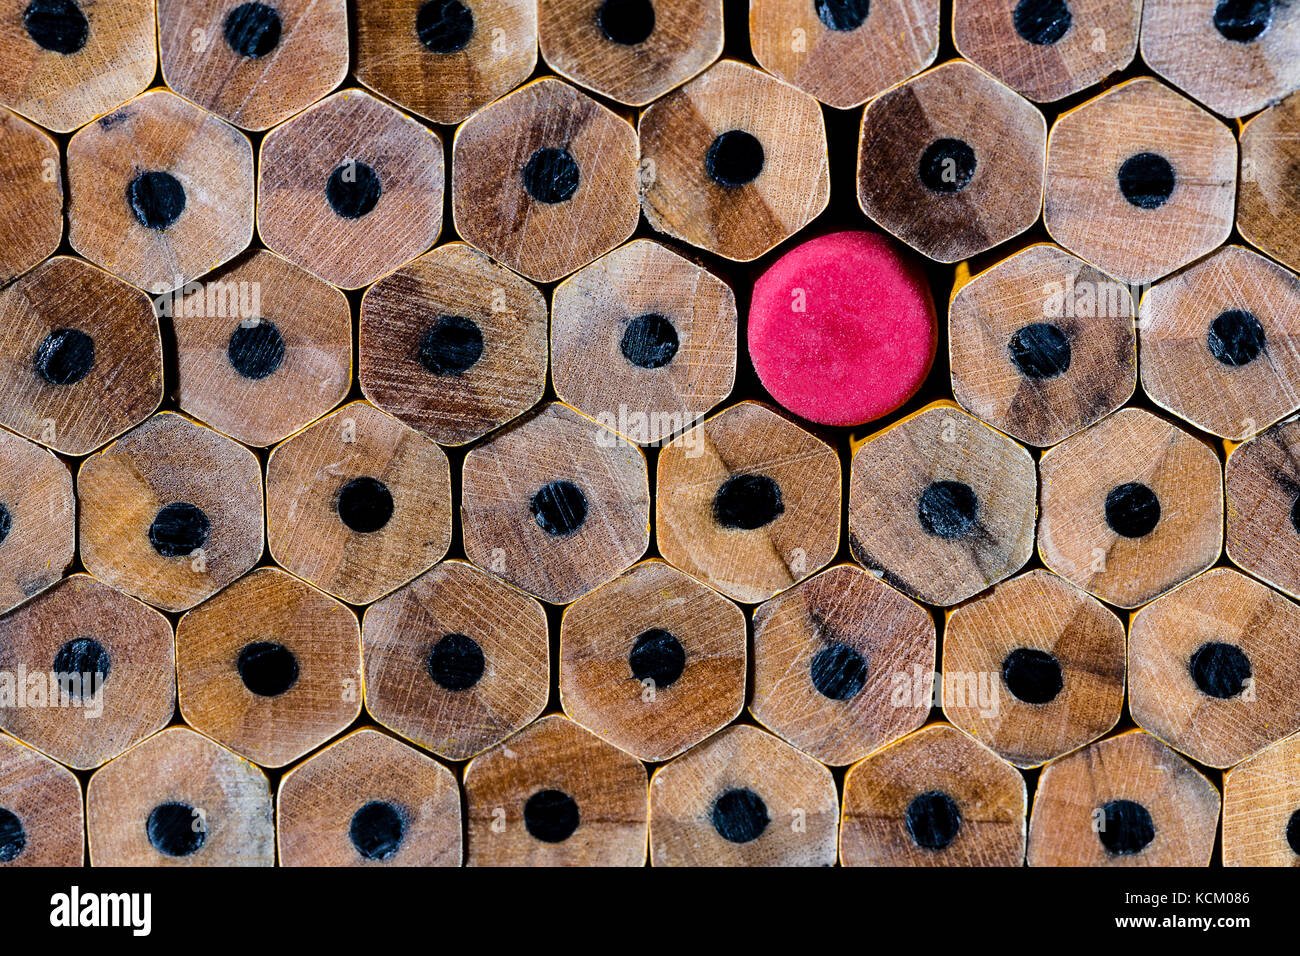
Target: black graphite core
947,166
65,356
559,508
1235,338
1292,833
56,25
842,15
1040,350
452,345
628,22
740,815
838,671
748,502
157,198
12,836
657,656
174,829
1243,20
256,349
551,816
353,190
82,665
948,509
179,529
377,830
933,819
1042,22
1132,510
551,175
456,662
6,522
267,669
1220,670
365,504
734,158
649,341
1126,827
1032,675
253,29
444,26
1147,180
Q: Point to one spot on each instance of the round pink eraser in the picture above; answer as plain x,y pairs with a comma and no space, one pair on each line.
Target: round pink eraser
842,328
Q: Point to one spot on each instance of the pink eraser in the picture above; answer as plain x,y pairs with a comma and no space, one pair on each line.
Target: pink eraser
842,328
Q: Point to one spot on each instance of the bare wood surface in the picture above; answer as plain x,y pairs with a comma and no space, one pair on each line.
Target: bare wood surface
31,206
1268,197
1262,480
1261,797
38,515
45,798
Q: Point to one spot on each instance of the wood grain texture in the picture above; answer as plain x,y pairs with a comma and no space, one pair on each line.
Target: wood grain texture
1042,285
1131,447
1262,481
1134,766
607,785
600,687
939,759
1268,198
319,798
125,381
793,805
1036,611
305,477
952,101
31,205
846,632
336,138
596,313
974,537
1087,213
462,716
160,132
1260,799
403,310
229,797
495,212
773,544
170,459
46,799
679,196
38,515
135,697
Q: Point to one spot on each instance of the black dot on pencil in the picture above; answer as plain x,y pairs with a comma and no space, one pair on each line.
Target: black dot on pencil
740,815
1220,670
628,22
1040,350
85,659
551,816
948,509
365,504
65,356
452,345
456,662
551,175
1032,675
734,158
174,829
1147,180
56,25
1243,20
657,656
353,190
1042,22
377,829
157,198
267,669
650,341
842,15
947,165
1292,833
559,508
253,29
748,502
6,521
256,350
179,529
1125,827
1235,337
1132,510
444,26
838,672
13,839
933,819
